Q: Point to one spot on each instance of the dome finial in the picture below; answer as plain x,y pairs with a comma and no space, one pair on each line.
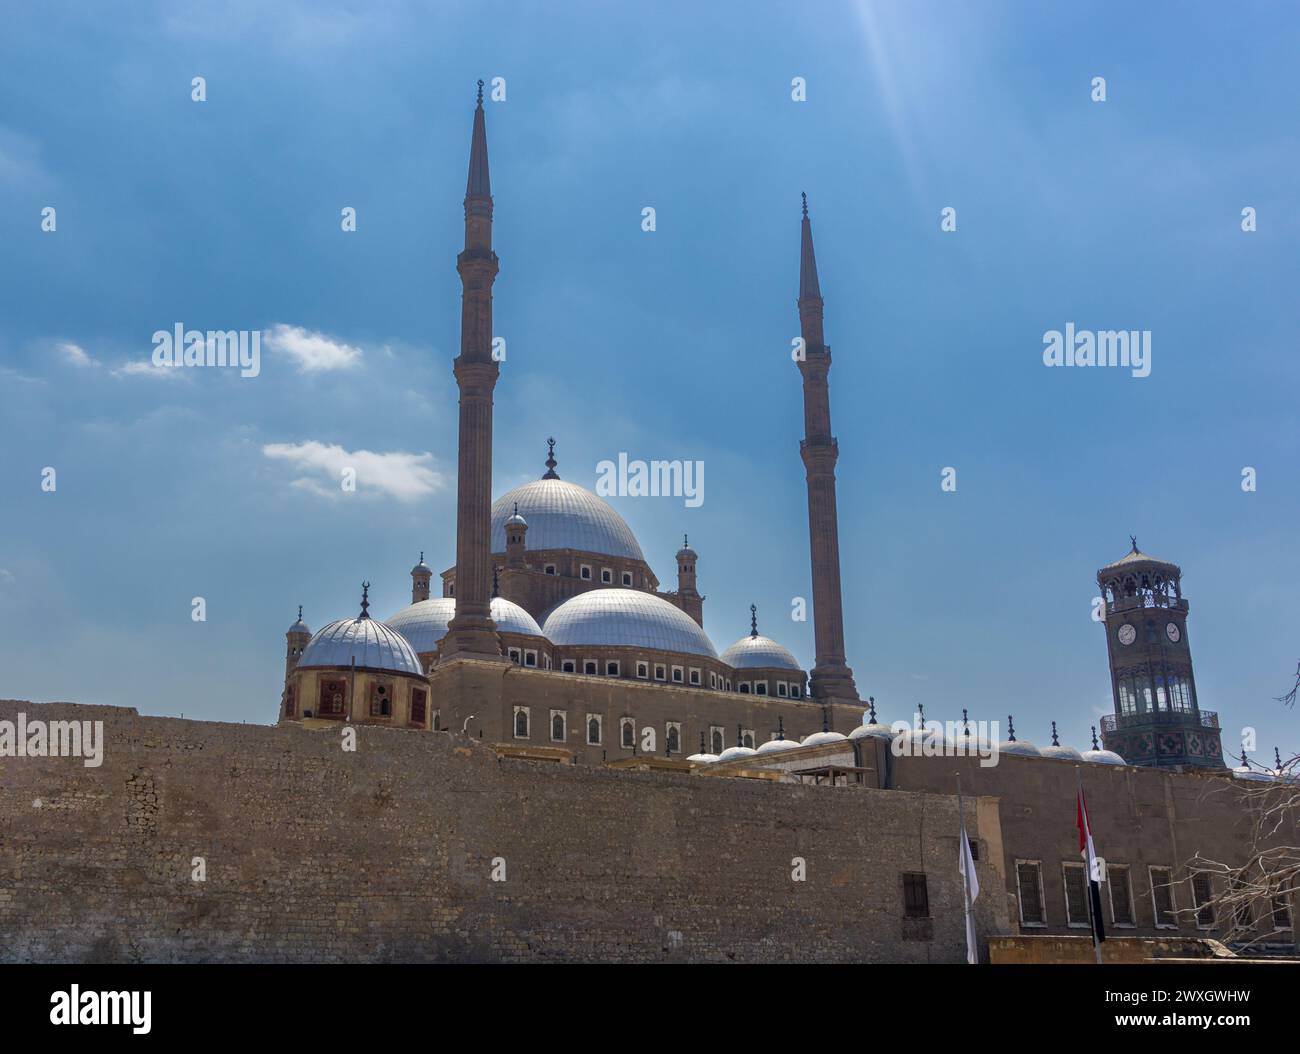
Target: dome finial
753,620
920,715
803,195
702,750
686,541
365,600
480,93
421,556
1277,759
550,461
871,701
965,722
740,737
1055,742
1011,730
826,719
299,612
1094,737
780,727
1133,538
495,583
516,508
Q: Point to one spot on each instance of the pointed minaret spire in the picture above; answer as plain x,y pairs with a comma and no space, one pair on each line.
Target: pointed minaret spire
365,600
471,631
832,679
1094,737
1055,741
753,620
550,461
300,614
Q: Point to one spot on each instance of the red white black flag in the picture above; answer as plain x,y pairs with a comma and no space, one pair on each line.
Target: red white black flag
1093,866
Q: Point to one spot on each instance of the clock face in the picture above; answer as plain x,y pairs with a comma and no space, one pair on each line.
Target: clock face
1127,634
1173,633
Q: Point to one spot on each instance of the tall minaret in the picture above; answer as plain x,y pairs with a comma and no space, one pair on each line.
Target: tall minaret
472,632
832,680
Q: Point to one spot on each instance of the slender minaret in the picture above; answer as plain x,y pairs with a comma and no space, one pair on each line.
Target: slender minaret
471,632
832,680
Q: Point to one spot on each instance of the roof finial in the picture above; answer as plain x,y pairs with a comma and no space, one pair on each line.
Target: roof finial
780,727
299,612
1011,730
550,461
1094,737
920,712
826,719
753,620
871,700
1277,758
965,722
1055,742
480,93
702,750
365,600
686,541
516,508
494,582
740,739
421,556
805,203
1133,538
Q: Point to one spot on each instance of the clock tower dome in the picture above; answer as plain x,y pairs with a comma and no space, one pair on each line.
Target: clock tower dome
1158,721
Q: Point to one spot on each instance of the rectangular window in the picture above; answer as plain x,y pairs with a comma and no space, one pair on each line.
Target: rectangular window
1076,896
333,701
627,578
514,655
611,668
695,676
795,691
1121,894
660,672
1162,898
677,674
781,689
530,658
607,575
1281,913
916,896
760,688
559,729
743,688
589,667
1202,894
585,572
419,698
568,666
1029,885
643,670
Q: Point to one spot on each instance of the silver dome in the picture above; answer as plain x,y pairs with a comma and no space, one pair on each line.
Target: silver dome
818,738
1245,772
370,642
1102,757
703,759
731,753
563,515
424,623
773,746
875,731
1019,746
1061,753
755,651
626,618
299,627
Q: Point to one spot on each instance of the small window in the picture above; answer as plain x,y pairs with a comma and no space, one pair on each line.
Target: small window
713,679
611,668
550,569
381,703
627,578
1281,913
760,688
916,896
661,672
674,735
593,730
677,674
643,670
695,676
607,575
1121,894
589,667
795,691
514,655
557,726
1029,886
1076,896
1162,898
627,732
744,687
521,722
1203,894
437,720
728,684
781,689
584,572
530,658
419,698
568,666
716,739
451,590
747,738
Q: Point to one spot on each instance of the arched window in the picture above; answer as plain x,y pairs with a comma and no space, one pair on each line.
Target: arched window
557,728
521,723
629,734
717,741
748,740
674,741
593,730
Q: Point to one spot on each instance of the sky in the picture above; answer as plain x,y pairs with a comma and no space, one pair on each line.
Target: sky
674,343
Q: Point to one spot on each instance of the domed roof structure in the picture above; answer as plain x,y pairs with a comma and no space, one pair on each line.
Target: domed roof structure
703,757
367,641
871,728
1012,745
779,743
1245,772
1101,757
425,623
300,626
756,651
616,617
562,515
825,735
1059,752
422,568
731,753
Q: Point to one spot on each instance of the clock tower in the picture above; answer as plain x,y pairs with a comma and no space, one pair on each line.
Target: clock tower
1158,721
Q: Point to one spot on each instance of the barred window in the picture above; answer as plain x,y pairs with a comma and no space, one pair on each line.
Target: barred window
1076,895
1121,894
916,896
1281,913
1202,894
1162,897
1029,881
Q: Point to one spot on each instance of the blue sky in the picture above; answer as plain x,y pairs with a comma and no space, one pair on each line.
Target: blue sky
673,344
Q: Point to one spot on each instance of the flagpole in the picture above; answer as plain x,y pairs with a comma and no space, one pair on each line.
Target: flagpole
1087,870
965,879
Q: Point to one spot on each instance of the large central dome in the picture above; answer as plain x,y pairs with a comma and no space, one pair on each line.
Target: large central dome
563,515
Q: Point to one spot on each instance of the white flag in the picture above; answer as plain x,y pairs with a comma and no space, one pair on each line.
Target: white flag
971,882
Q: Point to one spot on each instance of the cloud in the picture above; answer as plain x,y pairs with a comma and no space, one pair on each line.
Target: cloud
148,369
6,576
398,474
311,352
74,355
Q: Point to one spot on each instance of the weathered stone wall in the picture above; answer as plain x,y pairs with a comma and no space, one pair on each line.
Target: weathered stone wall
316,854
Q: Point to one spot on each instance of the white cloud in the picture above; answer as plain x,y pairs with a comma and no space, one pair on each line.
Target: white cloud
74,355
148,369
398,474
311,352
6,576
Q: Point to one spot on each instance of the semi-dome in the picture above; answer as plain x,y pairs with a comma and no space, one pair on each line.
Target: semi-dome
563,515
425,622
756,651
616,617
367,641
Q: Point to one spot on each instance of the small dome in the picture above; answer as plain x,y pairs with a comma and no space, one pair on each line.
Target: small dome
563,515
516,521
915,739
422,568
1021,747
615,617
425,623
372,644
300,626
756,651
1245,772
818,738
1061,753
1102,757
703,759
731,753
875,730
775,746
